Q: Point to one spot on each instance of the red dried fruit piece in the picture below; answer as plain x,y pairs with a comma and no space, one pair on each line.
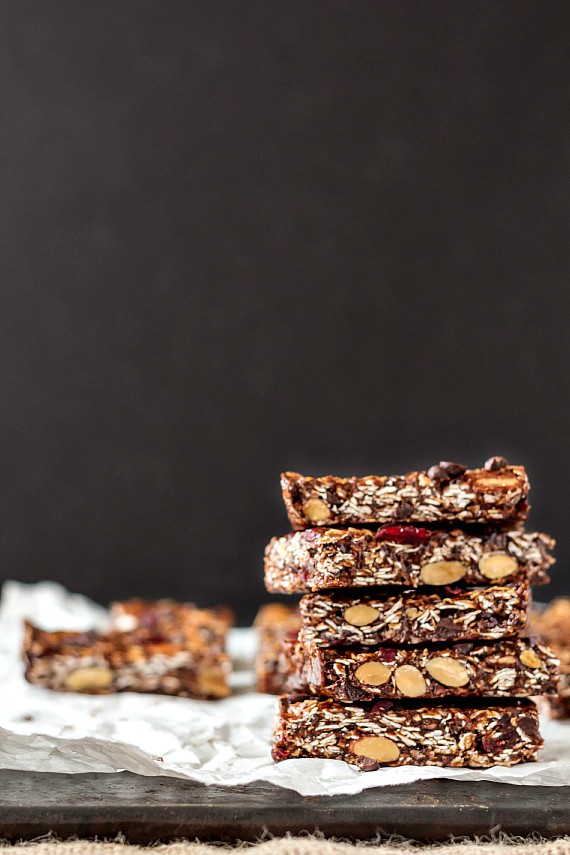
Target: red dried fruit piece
279,754
452,590
410,534
382,706
386,654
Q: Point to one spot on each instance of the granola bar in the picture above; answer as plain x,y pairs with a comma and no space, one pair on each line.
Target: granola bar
467,733
156,655
446,492
320,558
510,667
411,617
275,624
180,622
553,627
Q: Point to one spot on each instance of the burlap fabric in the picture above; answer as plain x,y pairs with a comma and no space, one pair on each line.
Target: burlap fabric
307,845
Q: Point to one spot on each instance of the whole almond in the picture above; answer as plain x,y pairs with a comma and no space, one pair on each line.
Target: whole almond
497,565
410,681
530,659
447,671
372,673
361,614
316,510
378,748
88,679
442,572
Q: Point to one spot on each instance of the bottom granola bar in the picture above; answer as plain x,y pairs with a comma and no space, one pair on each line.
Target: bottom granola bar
473,734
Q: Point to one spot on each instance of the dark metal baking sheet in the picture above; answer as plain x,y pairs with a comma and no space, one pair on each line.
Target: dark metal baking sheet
149,809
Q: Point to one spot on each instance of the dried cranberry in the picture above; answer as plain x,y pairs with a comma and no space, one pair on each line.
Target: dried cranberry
386,654
490,745
382,706
280,754
312,533
452,590
403,534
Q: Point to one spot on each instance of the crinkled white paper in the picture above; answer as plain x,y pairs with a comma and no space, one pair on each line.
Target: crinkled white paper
222,742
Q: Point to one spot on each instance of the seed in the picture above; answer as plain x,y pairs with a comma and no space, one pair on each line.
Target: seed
497,565
377,748
372,673
442,572
530,659
84,679
410,681
361,615
447,671
316,510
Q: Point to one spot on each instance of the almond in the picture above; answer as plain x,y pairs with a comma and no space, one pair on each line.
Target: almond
447,671
442,572
410,681
497,565
87,679
495,482
316,510
361,615
372,673
378,748
530,659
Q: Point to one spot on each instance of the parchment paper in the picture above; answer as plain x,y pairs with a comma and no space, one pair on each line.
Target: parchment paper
223,742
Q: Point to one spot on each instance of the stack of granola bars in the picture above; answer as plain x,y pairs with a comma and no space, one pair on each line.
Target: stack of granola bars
413,647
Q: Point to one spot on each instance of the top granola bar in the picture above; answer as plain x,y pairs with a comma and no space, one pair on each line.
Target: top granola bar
446,492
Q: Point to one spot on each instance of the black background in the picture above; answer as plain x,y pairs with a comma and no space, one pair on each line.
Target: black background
240,237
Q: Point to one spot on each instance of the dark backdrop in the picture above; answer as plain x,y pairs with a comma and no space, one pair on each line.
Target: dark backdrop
240,237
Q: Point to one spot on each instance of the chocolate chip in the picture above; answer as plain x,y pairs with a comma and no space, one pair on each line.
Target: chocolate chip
453,470
496,462
528,725
367,764
403,511
436,473
355,693
466,647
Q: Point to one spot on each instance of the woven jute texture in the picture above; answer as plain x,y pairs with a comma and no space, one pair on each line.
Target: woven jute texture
307,845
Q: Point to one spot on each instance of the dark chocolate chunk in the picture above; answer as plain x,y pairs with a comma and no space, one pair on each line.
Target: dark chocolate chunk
453,470
496,462
437,473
